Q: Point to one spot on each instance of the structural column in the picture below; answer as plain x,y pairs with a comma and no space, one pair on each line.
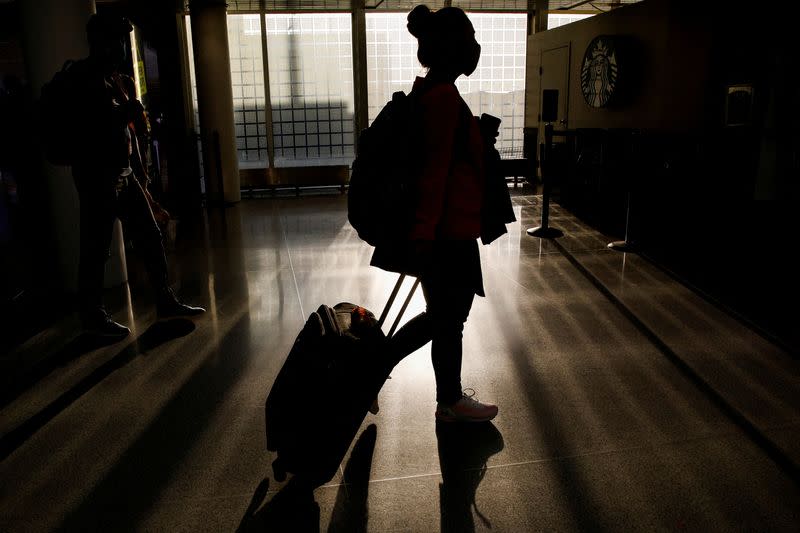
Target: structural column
215,99
53,31
537,22
540,9
360,87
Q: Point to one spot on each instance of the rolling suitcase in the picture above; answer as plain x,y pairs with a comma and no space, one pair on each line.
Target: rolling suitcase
333,373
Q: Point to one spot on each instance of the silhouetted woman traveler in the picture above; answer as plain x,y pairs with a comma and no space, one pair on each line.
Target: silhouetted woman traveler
450,195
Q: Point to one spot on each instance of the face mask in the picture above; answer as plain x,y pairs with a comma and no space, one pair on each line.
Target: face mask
472,57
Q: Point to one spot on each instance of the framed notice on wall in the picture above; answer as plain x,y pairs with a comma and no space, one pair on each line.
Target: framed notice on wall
739,105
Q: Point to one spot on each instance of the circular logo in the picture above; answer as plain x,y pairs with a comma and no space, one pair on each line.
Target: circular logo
599,72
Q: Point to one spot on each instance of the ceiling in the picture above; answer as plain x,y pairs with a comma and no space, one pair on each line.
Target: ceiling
240,6
235,6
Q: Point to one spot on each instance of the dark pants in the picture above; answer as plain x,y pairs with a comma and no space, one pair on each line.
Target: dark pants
448,297
101,205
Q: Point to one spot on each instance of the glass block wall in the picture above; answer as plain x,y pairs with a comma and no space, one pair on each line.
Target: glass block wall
310,70
554,20
247,81
392,61
311,88
496,87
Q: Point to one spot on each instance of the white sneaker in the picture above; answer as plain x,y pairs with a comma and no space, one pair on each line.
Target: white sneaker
467,409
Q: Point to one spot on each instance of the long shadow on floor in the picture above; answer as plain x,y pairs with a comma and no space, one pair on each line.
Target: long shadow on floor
570,479
19,380
294,509
350,512
121,500
464,450
156,335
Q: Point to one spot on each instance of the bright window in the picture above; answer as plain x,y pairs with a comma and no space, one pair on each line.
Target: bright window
556,20
247,84
310,66
496,87
311,88
392,61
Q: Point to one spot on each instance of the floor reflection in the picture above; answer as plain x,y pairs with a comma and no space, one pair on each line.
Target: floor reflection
601,423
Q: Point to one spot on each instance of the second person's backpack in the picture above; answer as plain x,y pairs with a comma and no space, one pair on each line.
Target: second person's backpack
380,203
57,116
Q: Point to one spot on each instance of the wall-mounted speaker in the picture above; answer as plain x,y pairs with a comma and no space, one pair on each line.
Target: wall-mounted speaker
549,105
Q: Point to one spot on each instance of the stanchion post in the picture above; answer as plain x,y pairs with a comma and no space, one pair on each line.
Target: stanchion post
545,231
627,245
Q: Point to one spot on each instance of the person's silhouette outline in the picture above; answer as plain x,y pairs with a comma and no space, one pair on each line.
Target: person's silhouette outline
110,177
447,219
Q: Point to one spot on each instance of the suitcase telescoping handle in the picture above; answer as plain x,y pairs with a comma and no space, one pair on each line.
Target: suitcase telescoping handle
389,304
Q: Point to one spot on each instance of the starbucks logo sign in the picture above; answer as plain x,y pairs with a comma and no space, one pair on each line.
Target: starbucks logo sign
599,72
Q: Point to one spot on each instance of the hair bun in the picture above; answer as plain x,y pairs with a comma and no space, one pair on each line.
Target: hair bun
419,20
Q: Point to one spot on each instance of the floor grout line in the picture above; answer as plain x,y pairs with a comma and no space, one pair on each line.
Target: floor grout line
558,458
282,220
497,466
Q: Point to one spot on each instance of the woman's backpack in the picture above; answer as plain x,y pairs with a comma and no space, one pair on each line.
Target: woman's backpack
57,116
380,203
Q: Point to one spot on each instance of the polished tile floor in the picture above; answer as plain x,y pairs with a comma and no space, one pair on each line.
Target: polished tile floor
627,401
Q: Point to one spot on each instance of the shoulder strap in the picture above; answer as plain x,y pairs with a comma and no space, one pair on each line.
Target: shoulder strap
118,81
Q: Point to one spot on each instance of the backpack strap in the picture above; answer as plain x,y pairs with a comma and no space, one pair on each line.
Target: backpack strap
118,82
